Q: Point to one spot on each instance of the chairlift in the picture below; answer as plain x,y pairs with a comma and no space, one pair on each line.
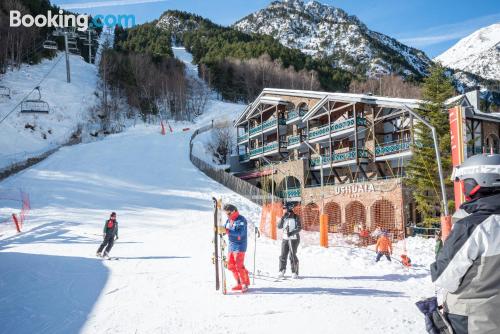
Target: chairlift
37,106
50,44
58,32
74,51
4,91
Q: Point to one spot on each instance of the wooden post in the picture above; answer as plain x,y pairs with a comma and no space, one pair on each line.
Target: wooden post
323,230
16,222
274,215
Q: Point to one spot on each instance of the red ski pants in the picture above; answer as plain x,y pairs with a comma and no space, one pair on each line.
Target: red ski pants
237,267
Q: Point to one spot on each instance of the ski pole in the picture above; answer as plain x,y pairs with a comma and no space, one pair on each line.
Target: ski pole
254,252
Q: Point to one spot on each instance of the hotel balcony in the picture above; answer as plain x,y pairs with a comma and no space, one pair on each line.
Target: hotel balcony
295,141
268,149
244,157
339,159
393,150
336,129
294,116
242,138
266,126
290,193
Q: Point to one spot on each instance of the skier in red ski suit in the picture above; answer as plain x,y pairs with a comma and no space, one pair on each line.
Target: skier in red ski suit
236,227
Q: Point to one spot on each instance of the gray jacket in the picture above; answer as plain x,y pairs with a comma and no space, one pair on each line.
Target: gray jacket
468,266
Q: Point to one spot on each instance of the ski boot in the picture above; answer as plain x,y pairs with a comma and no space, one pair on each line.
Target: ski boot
281,274
106,256
238,287
98,254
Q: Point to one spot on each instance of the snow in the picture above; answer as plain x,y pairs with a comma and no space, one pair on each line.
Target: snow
478,53
217,113
69,106
163,282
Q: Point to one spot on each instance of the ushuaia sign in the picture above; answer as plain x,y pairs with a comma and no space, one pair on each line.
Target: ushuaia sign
354,189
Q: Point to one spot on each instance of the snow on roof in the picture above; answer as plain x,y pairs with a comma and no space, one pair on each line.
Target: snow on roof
322,97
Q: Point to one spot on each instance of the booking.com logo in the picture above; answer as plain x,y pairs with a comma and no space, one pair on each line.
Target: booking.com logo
61,20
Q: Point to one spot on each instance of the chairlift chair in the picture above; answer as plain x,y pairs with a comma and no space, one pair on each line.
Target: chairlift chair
4,91
75,51
50,44
36,106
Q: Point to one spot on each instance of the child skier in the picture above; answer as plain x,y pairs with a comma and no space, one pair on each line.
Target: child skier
236,227
110,234
290,223
383,247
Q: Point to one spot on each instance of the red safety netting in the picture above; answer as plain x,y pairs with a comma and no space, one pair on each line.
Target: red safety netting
355,225
14,209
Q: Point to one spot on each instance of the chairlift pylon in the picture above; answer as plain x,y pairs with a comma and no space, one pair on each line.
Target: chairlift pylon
37,106
4,91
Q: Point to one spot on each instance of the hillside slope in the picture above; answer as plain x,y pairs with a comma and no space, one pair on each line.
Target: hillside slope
69,106
163,281
478,53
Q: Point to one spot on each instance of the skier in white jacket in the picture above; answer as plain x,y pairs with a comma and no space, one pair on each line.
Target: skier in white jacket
291,225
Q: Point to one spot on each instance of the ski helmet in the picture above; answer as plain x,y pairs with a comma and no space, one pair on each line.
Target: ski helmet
289,206
479,175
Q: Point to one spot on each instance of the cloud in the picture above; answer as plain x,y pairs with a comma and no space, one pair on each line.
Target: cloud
107,3
448,32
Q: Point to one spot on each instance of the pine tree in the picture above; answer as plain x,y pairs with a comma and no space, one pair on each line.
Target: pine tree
422,171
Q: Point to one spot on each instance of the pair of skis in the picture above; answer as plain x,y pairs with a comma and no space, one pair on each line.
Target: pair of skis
219,256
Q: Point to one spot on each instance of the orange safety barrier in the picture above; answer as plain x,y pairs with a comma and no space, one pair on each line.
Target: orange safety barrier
445,227
323,230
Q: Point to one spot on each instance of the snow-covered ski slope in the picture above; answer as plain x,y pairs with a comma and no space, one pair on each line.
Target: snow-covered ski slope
69,105
50,281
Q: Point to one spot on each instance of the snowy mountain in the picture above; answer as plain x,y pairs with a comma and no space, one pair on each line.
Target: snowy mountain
478,53
325,31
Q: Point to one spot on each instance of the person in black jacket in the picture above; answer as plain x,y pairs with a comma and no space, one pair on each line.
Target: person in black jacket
110,234
467,267
291,225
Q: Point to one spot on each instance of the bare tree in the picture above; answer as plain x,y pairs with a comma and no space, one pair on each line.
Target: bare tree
220,146
389,85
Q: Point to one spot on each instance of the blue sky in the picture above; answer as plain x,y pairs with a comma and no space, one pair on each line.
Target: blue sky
430,25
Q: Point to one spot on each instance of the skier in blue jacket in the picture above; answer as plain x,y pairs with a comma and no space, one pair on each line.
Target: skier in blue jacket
236,227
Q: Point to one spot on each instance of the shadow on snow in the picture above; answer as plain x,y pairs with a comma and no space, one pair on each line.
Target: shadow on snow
328,291
48,294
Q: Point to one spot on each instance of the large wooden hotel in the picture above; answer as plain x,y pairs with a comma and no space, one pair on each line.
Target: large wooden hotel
358,143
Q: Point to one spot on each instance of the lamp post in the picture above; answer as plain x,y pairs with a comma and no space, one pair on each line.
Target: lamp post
438,159
446,219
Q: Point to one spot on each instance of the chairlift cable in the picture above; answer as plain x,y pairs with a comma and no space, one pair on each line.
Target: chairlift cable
36,87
